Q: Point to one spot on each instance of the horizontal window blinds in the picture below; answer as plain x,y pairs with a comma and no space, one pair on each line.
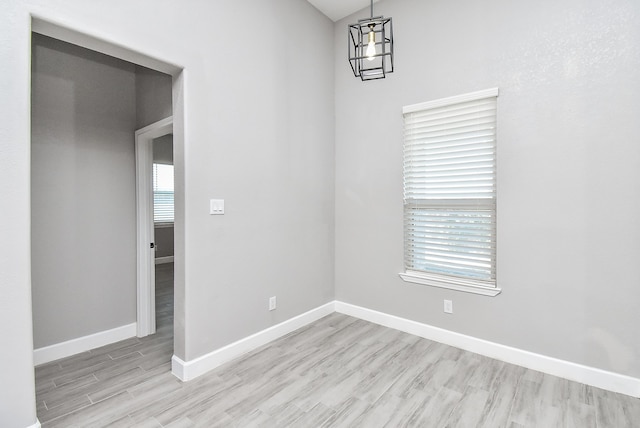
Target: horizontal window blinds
162,193
450,188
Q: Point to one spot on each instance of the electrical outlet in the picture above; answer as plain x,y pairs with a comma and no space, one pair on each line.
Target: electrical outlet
272,303
448,306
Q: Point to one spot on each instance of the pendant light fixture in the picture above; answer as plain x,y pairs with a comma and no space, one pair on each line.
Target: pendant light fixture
371,47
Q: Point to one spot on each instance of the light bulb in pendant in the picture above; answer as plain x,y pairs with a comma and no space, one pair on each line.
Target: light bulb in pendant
371,46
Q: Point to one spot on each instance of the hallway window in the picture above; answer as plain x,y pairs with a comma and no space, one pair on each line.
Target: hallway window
162,193
450,193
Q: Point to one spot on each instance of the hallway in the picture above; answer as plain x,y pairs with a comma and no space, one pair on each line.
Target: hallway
81,382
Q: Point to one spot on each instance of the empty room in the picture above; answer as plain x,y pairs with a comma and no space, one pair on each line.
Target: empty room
395,213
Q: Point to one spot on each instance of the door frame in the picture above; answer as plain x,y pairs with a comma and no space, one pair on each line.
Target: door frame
146,291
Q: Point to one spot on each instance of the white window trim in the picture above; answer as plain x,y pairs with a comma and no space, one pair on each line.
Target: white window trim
493,92
444,281
449,282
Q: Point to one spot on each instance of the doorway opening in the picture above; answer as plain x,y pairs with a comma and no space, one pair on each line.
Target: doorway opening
163,220
155,197
76,337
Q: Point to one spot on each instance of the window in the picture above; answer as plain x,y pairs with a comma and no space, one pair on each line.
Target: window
162,193
450,193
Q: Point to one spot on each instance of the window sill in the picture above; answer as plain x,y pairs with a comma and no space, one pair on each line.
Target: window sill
162,225
465,286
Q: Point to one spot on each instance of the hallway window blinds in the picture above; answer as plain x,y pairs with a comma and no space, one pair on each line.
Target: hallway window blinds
162,193
450,192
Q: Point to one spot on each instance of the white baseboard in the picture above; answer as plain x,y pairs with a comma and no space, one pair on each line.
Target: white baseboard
568,370
188,370
36,425
82,344
178,368
166,259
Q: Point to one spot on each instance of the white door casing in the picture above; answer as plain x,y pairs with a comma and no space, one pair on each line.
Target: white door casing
146,293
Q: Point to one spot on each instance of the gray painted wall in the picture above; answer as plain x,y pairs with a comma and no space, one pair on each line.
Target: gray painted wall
153,96
164,241
569,281
83,228
568,171
261,138
163,148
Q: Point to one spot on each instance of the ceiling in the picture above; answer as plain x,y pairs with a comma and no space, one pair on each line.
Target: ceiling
338,9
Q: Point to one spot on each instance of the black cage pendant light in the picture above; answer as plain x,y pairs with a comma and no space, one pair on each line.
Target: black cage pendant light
371,47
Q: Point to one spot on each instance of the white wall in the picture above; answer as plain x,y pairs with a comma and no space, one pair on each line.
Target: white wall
257,131
83,228
568,171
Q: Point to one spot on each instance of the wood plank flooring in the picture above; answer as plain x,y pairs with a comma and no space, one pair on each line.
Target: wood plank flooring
336,372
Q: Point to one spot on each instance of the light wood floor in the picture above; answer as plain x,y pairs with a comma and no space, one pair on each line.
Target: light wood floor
336,372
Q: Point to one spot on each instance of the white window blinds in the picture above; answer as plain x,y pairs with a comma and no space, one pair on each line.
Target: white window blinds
450,189
162,193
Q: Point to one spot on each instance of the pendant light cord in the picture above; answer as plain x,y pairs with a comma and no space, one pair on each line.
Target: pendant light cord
372,8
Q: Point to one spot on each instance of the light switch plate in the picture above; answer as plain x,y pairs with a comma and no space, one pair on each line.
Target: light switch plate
216,206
